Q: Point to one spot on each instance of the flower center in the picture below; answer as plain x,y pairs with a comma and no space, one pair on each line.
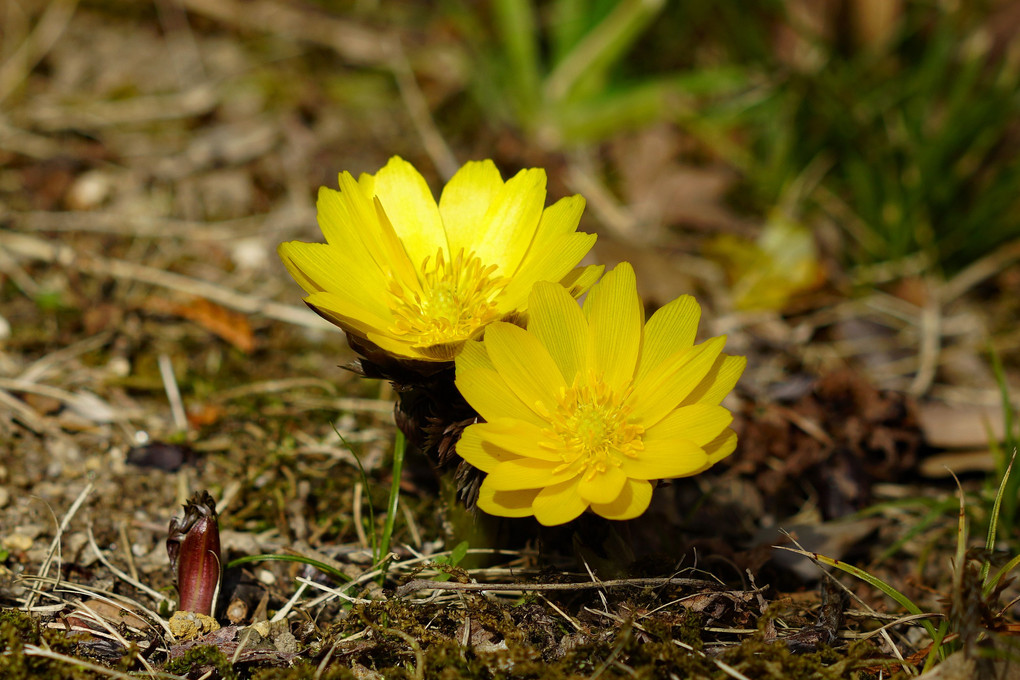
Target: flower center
592,428
456,299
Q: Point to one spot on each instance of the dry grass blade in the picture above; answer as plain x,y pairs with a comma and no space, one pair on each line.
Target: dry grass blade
34,248
47,32
155,594
416,585
35,650
724,667
355,43
54,550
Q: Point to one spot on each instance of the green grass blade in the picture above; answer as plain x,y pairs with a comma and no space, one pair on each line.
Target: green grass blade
874,581
602,47
515,20
399,447
365,486
1006,568
993,521
272,557
1010,483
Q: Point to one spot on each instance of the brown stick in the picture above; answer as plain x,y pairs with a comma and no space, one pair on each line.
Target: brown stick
424,584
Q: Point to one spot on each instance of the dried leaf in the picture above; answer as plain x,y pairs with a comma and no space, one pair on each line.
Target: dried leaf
227,324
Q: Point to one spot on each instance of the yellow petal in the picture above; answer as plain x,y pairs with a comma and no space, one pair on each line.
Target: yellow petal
346,313
671,329
524,364
557,321
322,267
474,449
290,254
602,487
719,382
558,504
558,220
658,393
506,503
367,183
721,446
698,423
465,201
411,208
472,356
342,311
518,437
509,225
631,502
526,473
665,458
354,223
578,281
395,260
552,263
338,215
485,390
615,320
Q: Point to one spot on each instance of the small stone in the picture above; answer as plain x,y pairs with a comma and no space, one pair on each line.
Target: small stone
89,190
17,542
5,497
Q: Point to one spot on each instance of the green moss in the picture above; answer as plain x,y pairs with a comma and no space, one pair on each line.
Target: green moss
336,671
207,657
18,629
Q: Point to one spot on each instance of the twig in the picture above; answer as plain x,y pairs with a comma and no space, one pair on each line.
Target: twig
569,619
35,248
415,585
333,591
354,43
285,609
150,226
267,386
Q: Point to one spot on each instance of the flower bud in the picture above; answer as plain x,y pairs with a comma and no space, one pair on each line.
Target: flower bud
193,544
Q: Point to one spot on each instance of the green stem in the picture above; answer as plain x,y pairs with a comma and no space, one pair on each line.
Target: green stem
399,446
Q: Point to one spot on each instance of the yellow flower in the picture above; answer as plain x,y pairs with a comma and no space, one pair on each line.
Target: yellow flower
419,279
587,405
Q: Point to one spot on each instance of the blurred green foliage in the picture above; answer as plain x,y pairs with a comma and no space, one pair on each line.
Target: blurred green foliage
914,134
919,137
561,71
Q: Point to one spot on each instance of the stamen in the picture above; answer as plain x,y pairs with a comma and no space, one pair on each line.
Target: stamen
591,428
455,299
